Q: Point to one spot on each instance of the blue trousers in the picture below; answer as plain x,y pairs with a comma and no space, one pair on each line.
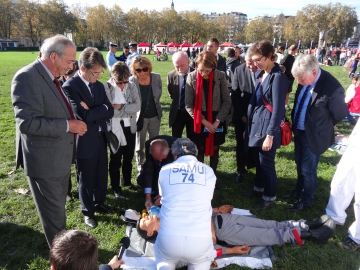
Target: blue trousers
306,166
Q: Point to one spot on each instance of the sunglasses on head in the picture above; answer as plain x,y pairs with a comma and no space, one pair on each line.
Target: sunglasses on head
145,69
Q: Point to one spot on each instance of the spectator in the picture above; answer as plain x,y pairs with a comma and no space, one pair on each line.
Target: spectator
265,112
149,87
88,98
176,80
344,185
125,54
288,62
73,250
43,115
238,55
243,86
352,99
125,99
111,57
231,64
213,46
280,53
318,107
207,100
134,53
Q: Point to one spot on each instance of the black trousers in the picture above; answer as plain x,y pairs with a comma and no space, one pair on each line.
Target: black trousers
241,155
122,159
183,119
93,177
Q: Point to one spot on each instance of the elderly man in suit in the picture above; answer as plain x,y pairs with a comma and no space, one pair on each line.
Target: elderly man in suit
157,151
88,97
213,46
176,80
243,85
45,128
319,105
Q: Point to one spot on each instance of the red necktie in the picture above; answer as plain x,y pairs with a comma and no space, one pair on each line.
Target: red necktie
56,81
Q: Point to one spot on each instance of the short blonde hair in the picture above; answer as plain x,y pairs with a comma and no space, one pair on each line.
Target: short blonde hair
142,61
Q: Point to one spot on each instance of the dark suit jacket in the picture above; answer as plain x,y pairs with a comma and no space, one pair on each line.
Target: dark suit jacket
96,116
174,90
326,108
43,147
288,62
221,63
261,121
151,168
243,87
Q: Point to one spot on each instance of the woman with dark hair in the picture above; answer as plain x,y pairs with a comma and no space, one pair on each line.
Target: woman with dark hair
265,111
207,100
149,87
126,102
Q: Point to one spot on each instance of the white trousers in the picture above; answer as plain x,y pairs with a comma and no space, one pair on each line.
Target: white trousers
197,251
345,183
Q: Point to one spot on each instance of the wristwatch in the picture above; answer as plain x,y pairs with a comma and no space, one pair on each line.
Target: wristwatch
270,136
217,120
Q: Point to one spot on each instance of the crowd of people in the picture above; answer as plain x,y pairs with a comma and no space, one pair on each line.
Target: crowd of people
125,112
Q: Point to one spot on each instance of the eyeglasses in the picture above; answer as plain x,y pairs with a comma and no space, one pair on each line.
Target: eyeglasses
120,83
139,70
257,60
96,74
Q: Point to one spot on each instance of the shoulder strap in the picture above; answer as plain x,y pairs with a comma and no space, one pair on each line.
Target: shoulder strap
268,106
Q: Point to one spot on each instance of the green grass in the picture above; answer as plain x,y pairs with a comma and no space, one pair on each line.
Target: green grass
23,245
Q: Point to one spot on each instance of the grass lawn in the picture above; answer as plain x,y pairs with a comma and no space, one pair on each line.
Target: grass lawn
22,242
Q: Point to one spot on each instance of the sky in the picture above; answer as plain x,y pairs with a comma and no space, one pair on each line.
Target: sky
251,8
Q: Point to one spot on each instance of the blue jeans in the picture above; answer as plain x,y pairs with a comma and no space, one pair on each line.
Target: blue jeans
266,179
306,166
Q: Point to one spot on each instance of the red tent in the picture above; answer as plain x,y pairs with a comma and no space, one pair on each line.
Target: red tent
227,44
198,44
160,44
185,44
143,44
173,44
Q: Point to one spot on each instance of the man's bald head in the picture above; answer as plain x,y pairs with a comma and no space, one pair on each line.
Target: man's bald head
159,149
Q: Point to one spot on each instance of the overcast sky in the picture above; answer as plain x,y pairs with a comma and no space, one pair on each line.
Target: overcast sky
251,8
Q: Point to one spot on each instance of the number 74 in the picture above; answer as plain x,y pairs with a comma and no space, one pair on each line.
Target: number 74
190,177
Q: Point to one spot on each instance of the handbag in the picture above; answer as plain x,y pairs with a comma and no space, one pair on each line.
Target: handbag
285,128
140,121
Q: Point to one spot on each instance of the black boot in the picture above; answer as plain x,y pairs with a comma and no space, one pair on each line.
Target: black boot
317,223
305,234
322,234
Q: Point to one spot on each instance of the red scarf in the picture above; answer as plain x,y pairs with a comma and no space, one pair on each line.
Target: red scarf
209,142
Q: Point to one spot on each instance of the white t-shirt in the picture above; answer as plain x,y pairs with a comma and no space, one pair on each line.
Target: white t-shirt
350,93
187,188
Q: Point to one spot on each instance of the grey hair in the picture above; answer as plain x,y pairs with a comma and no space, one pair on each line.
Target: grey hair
179,55
304,64
162,144
57,44
247,55
184,146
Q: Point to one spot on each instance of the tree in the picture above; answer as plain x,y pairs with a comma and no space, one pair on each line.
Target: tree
137,25
227,25
314,17
194,27
98,24
117,24
80,35
291,33
259,29
32,23
59,20
8,17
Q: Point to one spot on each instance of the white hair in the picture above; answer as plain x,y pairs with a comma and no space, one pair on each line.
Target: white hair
57,44
178,55
304,64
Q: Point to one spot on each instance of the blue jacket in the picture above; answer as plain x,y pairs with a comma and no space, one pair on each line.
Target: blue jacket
261,121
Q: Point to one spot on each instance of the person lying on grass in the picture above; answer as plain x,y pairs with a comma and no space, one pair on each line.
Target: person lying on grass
242,232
